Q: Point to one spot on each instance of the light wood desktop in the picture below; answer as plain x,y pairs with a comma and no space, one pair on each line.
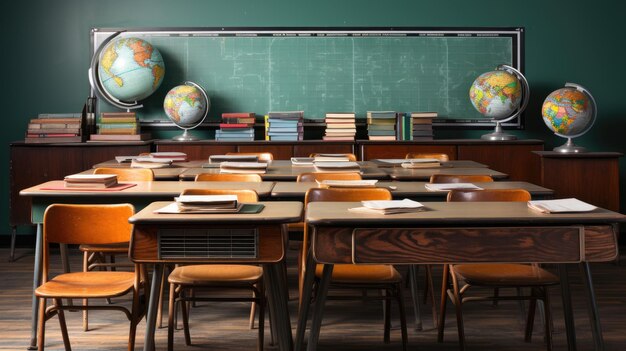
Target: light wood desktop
452,233
416,174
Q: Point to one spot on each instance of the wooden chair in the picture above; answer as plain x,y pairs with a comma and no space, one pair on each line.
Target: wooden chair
228,177
315,176
244,277
351,157
441,157
496,275
379,277
262,156
460,178
87,224
95,256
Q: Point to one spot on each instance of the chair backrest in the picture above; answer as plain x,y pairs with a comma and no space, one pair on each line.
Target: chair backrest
351,157
441,157
262,156
460,178
311,177
346,194
489,195
243,195
228,177
127,174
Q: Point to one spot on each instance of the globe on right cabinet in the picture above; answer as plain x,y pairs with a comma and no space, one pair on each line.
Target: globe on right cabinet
569,112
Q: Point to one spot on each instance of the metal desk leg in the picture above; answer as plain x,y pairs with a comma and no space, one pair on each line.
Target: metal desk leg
36,283
13,237
278,304
413,277
157,276
567,308
594,317
318,313
305,303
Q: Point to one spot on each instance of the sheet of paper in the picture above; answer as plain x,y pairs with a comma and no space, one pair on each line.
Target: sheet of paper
561,205
365,183
451,186
390,204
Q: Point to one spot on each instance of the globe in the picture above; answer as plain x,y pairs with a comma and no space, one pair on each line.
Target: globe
130,69
501,95
186,105
569,112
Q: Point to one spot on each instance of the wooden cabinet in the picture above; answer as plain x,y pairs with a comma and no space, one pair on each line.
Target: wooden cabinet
32,164
591,177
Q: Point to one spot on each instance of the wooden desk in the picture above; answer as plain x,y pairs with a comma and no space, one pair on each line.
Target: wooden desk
145,248
452,164
452,233
140,196
294,190
417,174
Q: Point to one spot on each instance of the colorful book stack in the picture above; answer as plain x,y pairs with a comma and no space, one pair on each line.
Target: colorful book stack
422,123
404,127
55,128
340,126
381,125
284,126
119,126
236,126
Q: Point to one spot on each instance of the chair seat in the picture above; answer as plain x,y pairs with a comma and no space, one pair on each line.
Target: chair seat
120,248
87,285
349,273
295,227
215,274
504,275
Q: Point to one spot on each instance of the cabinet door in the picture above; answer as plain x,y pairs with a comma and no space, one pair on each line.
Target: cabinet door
516,160
391,150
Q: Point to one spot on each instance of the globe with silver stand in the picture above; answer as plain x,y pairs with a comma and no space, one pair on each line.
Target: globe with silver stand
569,112
187,106
501,95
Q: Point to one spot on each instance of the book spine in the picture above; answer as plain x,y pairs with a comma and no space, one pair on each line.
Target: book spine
55,120
117,125
267,126
112,120
238,115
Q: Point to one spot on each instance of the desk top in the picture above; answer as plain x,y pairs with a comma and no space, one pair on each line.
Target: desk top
147,189
286,173
403,174
274,212
454,214
408,189
446,164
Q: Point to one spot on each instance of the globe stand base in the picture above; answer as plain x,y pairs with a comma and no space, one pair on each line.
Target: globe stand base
570,148
498,134
185,137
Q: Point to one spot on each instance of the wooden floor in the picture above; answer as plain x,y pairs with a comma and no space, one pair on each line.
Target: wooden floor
352,325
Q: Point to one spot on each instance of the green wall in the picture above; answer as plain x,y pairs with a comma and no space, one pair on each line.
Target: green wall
46,50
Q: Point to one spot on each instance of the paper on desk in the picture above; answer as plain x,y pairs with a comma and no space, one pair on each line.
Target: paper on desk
174,208
391,204
364,183
561,205
206,198
451,186
123,159
338,165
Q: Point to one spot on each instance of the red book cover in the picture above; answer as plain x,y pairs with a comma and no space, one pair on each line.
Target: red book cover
234,125
237,114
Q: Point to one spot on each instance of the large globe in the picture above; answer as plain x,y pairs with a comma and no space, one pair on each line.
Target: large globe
568,112
186,105
130,69
496,94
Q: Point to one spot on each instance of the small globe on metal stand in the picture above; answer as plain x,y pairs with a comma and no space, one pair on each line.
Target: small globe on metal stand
569,112
187,106
498,95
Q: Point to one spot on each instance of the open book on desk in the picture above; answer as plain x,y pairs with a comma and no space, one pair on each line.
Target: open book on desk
560,206
387,207
451,186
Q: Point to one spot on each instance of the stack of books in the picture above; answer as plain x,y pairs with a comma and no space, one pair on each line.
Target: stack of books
119,126
150,162
421,163
381,125
233,158
422,123
284,126
387,207
90,181
236,126
173,156
55,128
334,166
331,158
404,127
340,126
243,167
207,203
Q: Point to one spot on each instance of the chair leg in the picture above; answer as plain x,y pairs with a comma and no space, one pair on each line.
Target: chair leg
261,303
530,320
135,314
85,301
41,328
403,330
458,304
184,307
13,237
170,317
61,314
387,316
431,291
160,304
415,297
444,300
548,316
252,314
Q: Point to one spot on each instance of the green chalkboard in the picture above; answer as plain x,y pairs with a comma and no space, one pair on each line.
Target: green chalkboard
320,71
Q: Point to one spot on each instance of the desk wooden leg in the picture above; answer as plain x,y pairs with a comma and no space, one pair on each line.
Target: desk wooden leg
305,301
594,317
567,308
278,299
36,283
318,313
157,276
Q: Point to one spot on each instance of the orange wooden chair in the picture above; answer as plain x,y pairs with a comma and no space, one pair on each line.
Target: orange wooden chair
441,157
87,224
319,176
351,157
262,156
228,177
128,174
379,277
496,275
243,277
